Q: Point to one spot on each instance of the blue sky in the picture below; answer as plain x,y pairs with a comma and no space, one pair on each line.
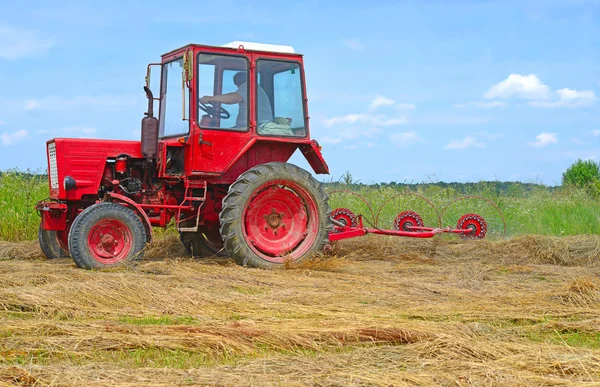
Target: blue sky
398,90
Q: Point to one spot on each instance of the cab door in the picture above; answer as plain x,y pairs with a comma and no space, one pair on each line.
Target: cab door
220,135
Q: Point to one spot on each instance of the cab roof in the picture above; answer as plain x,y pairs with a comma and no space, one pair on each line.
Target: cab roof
246,46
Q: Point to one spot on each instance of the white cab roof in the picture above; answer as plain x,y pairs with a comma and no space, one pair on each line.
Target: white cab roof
261,47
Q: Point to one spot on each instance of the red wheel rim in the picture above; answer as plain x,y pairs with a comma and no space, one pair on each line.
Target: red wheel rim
280,220
475,224
407,219
110,241
344,216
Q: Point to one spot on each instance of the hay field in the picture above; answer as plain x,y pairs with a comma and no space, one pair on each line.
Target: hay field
377,311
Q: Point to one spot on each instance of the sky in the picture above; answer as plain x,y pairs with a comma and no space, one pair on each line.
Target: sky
404,91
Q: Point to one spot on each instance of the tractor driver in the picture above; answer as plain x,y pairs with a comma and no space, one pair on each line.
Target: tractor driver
265,113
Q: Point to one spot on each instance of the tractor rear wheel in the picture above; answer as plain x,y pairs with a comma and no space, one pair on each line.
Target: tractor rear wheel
53,243
274,213
206,242
106,235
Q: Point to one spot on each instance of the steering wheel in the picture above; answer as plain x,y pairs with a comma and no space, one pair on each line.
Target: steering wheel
213,111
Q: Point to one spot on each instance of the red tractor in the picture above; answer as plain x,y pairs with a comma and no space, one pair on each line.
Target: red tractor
214,161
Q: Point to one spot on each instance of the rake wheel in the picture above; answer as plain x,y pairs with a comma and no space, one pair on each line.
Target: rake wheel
407,219
345,216
473,222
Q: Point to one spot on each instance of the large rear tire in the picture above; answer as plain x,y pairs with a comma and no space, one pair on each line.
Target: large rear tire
106,235
273,213
53,243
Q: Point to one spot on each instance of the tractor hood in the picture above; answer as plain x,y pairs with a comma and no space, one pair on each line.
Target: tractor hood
83,160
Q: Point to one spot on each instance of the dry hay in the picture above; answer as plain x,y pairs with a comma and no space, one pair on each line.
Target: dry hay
375,311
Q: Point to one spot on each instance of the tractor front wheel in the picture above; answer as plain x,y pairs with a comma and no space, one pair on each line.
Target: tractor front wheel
106,235
274,213
53,243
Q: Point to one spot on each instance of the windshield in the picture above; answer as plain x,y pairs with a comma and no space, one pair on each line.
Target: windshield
171,102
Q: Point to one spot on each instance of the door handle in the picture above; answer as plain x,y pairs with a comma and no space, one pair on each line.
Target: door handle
200,141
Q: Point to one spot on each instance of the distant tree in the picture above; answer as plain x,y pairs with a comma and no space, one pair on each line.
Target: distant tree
581,174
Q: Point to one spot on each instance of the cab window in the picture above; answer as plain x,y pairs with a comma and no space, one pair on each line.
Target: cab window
280,103
218,76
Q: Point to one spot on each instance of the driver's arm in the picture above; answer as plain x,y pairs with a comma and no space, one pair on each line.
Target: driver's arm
229,98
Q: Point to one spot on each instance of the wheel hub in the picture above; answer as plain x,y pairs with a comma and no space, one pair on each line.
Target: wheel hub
274,219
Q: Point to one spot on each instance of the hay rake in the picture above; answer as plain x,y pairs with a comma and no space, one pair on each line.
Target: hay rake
413,215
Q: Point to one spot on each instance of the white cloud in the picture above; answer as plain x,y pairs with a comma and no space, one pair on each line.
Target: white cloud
380,101
481,105
519,86
330,140
112,102
394,122
405,106
350,133
13,138
452,120
371,145
16,43
32,104
362,118
354,44
347,119
350,147
467,142
544,139
596,132
569,98
404,139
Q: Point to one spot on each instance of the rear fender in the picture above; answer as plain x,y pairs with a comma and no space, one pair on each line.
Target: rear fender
141,213
312,152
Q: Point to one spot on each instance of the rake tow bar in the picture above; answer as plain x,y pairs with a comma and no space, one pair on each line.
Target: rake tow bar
387,220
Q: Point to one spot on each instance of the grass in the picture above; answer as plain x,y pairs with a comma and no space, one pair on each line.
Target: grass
19,192
158,320
539,210
375,311
527,209
450,313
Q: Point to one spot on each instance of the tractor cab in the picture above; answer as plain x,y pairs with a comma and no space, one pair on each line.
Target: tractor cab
222,109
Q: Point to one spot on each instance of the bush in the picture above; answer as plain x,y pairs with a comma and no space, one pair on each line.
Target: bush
582,174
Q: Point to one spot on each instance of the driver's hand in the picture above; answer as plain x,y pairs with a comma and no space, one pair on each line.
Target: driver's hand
206,99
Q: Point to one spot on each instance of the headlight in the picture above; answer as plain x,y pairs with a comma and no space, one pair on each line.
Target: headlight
69,183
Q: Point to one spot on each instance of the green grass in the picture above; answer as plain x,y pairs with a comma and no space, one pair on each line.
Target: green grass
158,320
527,208
536,210
572,338
19,192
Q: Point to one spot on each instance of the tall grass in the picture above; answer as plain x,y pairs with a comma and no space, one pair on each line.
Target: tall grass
19,192
535,209
527,208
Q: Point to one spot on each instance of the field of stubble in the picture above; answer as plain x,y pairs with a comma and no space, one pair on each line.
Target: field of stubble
377,311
